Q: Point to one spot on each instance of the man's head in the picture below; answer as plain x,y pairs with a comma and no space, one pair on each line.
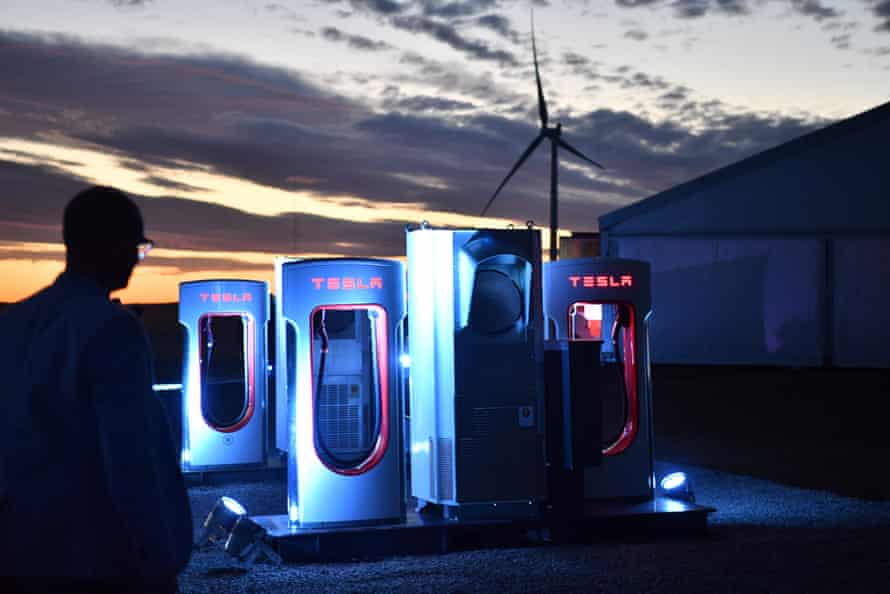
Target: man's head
104,236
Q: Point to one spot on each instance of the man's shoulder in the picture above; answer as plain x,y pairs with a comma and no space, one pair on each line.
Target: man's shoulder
56,306
120,320
26,309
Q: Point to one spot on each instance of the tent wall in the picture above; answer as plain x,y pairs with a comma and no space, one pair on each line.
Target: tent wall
782,258
837,183
861,299
735,300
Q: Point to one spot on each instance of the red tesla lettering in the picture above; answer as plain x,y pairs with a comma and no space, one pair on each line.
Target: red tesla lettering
204,297
346,283
214,297
246,297
226,297
590,281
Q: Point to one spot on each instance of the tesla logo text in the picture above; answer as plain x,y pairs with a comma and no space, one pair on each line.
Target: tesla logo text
226,297
346,283
590,281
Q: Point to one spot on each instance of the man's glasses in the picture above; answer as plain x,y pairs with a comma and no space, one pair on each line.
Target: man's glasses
143,248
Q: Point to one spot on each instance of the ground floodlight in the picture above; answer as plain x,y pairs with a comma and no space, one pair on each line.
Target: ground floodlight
677,486
220,521
247,542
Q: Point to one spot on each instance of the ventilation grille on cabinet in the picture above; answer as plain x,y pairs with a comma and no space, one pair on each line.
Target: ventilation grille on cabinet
339,417
446,472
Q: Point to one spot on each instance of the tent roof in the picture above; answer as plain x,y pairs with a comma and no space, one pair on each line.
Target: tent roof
855,124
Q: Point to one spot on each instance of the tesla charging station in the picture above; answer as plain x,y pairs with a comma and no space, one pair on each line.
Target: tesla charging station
339,338
476,345
598,312
224,420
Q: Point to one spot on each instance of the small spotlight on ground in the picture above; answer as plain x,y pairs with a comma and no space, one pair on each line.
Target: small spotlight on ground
677,486
227,524
247,542
219,522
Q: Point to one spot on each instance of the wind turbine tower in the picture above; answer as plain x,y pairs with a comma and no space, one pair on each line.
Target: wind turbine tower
554,134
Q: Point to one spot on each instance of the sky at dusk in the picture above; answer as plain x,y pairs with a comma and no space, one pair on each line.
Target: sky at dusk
250,129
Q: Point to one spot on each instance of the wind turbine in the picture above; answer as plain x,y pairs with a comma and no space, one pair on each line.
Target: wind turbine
554,133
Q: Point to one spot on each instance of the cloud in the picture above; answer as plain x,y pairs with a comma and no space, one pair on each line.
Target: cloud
36,196
393,101
640,80
881,10
690,9
130,3
355,41
169,184
653,156
444,21
500,25
61,83
455,78
623,77
213,115
636,3
636,34
450,36
455,8
384,7
283,12
673,99
572,59
841,42
815,9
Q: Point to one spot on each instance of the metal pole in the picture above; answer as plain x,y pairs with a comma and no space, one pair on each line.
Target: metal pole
554,211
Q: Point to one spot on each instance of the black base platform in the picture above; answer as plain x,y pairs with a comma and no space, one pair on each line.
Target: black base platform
421,533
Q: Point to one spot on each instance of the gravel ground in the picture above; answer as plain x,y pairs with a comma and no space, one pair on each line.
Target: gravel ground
765,537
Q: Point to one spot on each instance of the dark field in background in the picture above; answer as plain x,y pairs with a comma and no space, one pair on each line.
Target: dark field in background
809,427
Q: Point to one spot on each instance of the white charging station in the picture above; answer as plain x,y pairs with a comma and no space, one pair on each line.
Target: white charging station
224,381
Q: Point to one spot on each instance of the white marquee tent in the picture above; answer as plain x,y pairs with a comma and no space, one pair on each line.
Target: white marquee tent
780,259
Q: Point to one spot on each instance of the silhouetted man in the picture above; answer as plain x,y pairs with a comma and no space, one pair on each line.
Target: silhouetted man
93,498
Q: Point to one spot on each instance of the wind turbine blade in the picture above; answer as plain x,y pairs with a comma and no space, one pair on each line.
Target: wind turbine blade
542,104
578,153
519,163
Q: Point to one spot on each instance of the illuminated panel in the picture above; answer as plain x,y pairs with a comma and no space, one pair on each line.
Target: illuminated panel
227,375
336,441
585,323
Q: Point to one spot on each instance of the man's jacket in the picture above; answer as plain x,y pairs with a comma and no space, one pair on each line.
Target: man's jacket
89,478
